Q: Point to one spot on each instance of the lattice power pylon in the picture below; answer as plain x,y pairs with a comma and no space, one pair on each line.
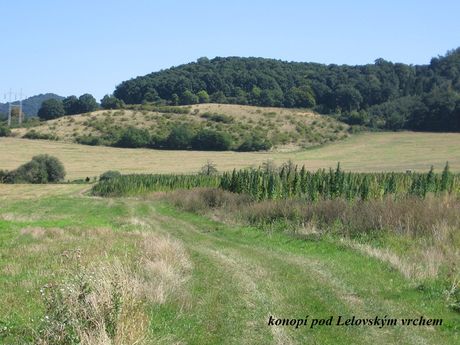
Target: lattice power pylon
16,104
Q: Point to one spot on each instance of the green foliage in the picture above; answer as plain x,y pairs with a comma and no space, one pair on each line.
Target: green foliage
83,104
179,138
109,175
4,131
51,109
41,169
87,103
188,97
255,142
209,140
33,134
380,95
71,105
111,102
218,117
134,137
31,105
126,185
289,181
89,140
203,96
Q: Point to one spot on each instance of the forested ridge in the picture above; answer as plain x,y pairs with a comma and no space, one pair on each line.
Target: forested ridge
383,95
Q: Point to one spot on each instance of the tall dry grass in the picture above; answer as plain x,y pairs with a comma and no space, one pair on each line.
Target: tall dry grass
106,302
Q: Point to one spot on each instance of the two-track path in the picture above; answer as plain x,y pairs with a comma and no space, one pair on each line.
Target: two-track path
243,276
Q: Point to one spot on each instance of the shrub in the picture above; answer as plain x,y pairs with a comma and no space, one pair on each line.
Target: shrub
209,140
111,102
41,169
109,175
179,138
218,117
134,137
89,140
33,134
4,131
255,143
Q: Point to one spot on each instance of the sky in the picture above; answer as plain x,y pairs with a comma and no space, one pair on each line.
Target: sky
75,47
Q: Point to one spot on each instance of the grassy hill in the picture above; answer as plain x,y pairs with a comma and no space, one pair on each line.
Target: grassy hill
284,128
363,152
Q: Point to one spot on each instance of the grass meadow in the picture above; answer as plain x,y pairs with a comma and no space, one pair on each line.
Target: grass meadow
365,152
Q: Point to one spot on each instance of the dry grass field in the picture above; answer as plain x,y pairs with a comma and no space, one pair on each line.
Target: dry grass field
363,152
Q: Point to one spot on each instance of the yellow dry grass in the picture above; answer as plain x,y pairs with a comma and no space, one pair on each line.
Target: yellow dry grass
364,152
34,191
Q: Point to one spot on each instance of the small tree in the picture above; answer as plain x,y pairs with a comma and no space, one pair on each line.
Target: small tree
51,109
111,102
208,169
188,97
87,103
71,105
203,96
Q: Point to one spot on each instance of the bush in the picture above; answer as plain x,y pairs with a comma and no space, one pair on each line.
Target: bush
41,169
255,143
134,137
5,131
89,140
109,175
179,138
218,117
209,140
111,102
33,134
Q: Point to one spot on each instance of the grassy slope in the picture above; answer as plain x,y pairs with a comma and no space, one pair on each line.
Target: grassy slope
286,128
240,276
364,152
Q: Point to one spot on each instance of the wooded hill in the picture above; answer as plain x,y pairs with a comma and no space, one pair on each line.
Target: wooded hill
383,95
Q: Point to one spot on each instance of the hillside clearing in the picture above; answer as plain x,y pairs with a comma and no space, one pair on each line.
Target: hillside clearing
364,152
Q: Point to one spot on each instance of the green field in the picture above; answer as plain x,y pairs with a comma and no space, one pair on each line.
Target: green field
221,289
364,152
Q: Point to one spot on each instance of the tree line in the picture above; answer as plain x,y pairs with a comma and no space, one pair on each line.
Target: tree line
55,108
381,95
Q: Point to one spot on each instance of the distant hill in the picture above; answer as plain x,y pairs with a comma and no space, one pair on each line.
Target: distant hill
383,95
31,105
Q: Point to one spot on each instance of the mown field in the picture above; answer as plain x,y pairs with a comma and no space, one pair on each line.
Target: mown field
181,278
363,152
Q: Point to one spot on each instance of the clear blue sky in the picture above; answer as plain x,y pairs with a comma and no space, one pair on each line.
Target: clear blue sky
74,47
